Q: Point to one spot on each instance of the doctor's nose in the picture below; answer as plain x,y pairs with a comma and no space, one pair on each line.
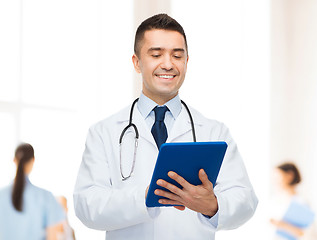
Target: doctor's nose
167,63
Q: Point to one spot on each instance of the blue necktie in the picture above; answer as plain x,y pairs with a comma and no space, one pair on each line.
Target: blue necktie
159,131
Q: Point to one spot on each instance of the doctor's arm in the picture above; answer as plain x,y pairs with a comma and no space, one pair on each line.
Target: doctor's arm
236,198
232,201
97,203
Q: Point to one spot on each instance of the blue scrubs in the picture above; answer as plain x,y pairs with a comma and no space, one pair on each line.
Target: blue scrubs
40,210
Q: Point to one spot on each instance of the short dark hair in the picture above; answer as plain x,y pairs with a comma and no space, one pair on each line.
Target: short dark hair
159,21
289,167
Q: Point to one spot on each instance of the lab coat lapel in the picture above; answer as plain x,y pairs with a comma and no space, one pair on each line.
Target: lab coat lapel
143,128
138,120
181,126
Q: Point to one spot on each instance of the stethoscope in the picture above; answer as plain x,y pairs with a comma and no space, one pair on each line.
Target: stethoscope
131,124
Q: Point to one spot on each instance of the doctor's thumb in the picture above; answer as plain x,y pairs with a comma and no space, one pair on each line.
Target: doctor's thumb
204,178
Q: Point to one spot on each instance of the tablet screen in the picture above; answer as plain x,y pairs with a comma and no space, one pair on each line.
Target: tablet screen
186,159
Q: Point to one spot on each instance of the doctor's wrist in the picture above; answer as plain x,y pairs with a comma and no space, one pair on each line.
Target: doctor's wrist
213,209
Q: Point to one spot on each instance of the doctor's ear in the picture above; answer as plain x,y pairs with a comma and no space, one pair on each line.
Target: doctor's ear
136,63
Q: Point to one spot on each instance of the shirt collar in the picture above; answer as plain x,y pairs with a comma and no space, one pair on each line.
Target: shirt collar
27,179
146,105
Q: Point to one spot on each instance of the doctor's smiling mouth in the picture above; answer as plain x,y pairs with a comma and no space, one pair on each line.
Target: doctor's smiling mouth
166,76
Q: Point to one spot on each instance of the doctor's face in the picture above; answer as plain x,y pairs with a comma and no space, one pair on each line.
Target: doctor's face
162,61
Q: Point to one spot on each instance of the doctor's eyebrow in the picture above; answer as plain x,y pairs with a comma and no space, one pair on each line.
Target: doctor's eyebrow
153,49
179,50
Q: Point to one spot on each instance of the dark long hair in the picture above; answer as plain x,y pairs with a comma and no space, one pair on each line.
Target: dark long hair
23,154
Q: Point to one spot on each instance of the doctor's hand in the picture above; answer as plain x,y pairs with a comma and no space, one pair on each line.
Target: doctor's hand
199,198
146,191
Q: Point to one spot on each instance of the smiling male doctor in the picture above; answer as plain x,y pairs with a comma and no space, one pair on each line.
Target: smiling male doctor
104,201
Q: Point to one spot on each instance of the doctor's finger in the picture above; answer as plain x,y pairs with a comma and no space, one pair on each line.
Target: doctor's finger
204,179
168,195
179,179
169,202
182,208
170,187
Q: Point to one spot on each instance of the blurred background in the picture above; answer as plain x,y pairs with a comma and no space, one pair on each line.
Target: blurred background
252,65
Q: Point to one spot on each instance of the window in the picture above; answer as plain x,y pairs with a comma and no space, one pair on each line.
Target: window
65,63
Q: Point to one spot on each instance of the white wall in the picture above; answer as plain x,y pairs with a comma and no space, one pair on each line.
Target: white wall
294,89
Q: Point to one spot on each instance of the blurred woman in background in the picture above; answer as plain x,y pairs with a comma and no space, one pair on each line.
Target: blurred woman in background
27,211
292,214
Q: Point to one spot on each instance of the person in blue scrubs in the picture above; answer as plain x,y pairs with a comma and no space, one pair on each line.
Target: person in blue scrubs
293,215
27,211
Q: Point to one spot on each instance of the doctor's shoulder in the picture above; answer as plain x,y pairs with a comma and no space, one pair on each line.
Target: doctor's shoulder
109,123
211,128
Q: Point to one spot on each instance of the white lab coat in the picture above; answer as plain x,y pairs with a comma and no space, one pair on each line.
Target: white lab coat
104,202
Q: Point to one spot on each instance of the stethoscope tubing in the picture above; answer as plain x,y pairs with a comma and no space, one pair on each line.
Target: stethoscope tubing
131,124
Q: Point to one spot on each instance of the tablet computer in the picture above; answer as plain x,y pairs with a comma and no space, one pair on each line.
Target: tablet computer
186,159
